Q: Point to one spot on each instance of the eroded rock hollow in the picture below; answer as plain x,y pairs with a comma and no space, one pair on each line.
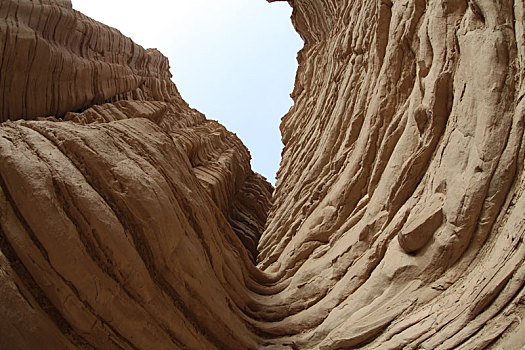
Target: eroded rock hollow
130,221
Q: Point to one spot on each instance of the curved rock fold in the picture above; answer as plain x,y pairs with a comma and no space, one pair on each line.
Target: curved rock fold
130,221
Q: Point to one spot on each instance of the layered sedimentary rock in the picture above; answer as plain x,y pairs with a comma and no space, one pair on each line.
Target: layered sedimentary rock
128,220
398,218
69,62
123,212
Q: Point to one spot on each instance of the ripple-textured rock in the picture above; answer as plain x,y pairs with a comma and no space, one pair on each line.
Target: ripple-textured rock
396,220
129,220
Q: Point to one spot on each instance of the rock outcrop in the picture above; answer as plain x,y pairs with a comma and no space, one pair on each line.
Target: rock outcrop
129,220
123,212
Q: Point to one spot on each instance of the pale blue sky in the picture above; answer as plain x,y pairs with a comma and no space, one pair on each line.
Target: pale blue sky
233,60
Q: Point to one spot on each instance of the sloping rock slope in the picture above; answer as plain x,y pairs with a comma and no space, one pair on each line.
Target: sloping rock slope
128,220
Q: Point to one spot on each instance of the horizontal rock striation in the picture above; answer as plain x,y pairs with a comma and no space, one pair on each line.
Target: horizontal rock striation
130,221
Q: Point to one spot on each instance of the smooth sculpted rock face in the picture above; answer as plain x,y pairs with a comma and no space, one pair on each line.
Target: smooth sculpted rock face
128,220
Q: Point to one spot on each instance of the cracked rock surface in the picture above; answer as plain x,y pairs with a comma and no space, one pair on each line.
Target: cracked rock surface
130,221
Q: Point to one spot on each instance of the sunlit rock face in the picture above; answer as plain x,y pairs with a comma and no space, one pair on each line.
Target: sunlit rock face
129,220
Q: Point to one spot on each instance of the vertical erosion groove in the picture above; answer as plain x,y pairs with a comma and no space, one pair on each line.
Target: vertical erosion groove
130,221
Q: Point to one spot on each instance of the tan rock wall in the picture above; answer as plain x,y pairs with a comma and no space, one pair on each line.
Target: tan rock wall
396,220
123,212
39,73
129,220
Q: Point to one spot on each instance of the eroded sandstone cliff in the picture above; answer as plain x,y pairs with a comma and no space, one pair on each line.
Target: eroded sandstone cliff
128,220
123,212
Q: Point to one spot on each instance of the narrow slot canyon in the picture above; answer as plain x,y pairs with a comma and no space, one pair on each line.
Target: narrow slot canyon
128,220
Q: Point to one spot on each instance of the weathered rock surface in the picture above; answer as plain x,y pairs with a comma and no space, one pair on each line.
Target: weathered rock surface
128,220
123,212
